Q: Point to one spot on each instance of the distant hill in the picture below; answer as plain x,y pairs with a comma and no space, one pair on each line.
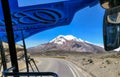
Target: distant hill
67,43
19,49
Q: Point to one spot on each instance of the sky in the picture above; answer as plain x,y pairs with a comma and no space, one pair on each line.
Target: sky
87,24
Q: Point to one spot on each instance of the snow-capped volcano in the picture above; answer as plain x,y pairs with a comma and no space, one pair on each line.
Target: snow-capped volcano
67,43
61,39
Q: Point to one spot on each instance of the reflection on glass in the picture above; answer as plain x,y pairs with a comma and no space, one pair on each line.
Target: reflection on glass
112,36
114,18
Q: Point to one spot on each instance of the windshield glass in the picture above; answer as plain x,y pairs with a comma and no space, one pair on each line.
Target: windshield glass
74,49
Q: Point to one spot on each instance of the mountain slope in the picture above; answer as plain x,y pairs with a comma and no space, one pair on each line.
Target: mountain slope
67,43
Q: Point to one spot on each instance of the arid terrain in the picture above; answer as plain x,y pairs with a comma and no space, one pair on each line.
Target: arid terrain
96,64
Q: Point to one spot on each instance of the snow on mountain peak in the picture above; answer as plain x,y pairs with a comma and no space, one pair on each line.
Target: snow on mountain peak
70,37
58,40
61,39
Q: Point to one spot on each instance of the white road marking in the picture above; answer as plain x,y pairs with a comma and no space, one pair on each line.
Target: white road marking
77,71
72,71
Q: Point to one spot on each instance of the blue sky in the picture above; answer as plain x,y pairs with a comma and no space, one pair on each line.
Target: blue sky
86,24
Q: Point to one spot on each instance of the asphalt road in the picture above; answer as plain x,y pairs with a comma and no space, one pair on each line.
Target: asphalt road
60,66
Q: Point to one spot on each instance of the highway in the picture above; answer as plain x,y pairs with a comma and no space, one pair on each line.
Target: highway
60,66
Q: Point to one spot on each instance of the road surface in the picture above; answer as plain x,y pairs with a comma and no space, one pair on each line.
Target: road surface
60,66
